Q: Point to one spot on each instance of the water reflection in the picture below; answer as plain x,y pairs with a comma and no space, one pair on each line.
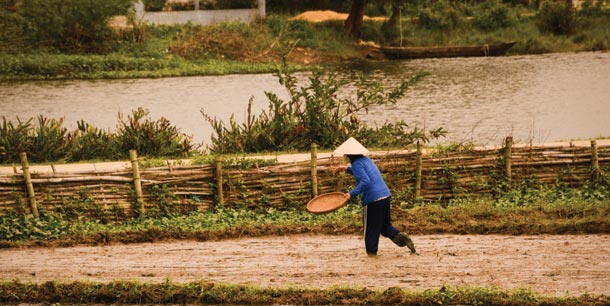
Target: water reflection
539,98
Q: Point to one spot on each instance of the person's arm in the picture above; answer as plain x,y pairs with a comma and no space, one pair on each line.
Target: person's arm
362,178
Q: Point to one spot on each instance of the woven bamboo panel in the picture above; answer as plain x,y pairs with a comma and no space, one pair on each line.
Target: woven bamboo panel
444,176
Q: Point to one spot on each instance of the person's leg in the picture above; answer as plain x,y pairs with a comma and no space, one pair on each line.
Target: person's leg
387,229
372,227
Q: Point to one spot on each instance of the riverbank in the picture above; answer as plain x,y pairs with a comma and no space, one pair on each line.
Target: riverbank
260,47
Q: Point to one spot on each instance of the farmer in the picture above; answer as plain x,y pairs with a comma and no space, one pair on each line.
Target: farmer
375,200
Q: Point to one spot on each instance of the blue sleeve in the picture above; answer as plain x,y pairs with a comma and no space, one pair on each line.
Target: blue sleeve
361,177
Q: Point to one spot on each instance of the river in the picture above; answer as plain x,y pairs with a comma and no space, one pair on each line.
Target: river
537,98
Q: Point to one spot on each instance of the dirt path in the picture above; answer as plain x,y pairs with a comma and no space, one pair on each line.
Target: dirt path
553,265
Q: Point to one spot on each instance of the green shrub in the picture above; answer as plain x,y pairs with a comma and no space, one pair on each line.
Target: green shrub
14,139
442,15
50,140
151,138
70,25
598,8
154,5
11,27
372,31
492,15
558,18
90,142
315,114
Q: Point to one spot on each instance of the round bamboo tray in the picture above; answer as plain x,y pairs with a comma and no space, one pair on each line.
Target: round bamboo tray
326,203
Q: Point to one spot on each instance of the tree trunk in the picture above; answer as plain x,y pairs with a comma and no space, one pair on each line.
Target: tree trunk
394,20
353,24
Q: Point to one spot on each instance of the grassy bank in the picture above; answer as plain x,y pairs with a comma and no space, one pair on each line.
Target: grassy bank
552,211
185,50
208,293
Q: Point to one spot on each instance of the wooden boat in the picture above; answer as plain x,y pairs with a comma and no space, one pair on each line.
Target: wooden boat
457,51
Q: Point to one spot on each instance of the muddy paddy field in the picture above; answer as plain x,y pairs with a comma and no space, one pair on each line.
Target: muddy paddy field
554,265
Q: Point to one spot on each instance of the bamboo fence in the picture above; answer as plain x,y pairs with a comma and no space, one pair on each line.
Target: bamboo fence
413,174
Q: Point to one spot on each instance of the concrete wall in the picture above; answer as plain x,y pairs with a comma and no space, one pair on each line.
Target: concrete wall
203,17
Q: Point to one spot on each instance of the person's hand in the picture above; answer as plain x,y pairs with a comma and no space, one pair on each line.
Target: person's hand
347,196
340,168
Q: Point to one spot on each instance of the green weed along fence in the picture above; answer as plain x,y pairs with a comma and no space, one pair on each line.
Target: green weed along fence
409,174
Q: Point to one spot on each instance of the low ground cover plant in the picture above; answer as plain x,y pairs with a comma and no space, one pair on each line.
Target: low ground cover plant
209,293
551,210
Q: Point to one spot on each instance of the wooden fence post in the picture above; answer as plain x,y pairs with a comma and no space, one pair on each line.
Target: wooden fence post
137,183
340,179
314,169
595,175
219,181
28,184
508,154
418,170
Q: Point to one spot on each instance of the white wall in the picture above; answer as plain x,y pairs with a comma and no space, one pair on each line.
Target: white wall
204,17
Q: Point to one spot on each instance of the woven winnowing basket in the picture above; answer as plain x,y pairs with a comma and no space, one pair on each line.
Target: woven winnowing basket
326,203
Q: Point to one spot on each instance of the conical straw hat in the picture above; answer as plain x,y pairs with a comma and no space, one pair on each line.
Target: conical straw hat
351,147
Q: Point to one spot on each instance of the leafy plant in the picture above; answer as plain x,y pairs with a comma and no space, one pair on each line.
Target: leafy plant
11,27
492,15
148,137
154,5
90,142
164,203
558,18
594,8
50,140
316,113
14,139
441,15
71,25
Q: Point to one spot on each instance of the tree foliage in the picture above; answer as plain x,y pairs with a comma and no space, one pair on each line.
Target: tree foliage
11,26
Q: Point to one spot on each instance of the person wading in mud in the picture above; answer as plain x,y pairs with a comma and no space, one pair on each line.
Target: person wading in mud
376,197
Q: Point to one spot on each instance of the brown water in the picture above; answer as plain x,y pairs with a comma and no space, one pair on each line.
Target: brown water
532,98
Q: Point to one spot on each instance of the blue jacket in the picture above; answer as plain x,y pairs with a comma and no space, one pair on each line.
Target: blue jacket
369,182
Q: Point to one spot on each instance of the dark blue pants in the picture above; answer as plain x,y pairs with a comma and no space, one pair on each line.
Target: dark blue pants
377,221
